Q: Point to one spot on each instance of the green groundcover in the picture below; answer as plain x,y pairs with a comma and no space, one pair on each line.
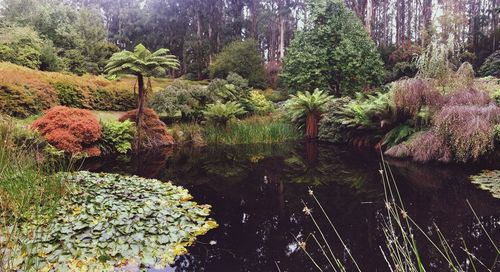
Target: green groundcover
115,222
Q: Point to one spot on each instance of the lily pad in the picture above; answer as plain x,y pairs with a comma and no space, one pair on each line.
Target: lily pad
128,219
489,181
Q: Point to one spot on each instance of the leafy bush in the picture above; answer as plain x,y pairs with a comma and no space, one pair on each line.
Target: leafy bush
181,100
14,101
69,96
118,135
258,103
243,58
398,135
155,131
491,66
406,52
333,52
220,113
26,91
235,88
20,45
72,130
93,224
361,121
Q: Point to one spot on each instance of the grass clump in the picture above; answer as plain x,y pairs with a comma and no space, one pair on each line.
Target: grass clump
28,190
256,129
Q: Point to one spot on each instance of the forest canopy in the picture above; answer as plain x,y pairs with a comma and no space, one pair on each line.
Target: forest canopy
80,35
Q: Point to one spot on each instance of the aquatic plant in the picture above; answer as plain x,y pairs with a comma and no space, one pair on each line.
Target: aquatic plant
111,221
154,130
73,130
489,181
401,251
265,129
306,108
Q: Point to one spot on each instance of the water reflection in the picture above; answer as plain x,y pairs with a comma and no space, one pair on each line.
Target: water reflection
256,193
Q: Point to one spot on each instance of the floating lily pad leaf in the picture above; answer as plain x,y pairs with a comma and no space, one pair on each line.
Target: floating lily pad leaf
109,221
489,181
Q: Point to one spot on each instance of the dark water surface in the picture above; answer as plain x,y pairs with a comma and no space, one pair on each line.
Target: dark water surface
256,193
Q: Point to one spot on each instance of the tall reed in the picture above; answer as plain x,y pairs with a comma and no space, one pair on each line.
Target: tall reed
401,251
250,131
29,190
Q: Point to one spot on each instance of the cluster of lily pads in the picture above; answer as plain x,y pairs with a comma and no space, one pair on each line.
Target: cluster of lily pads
110,222
489,181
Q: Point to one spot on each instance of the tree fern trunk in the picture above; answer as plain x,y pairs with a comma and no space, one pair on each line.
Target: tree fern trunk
312,126
140,111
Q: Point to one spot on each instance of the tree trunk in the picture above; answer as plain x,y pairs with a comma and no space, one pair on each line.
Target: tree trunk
368,18
141,101
312,126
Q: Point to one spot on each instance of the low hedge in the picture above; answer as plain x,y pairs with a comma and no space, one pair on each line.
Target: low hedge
24,91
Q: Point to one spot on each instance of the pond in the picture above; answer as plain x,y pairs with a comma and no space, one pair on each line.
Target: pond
257,190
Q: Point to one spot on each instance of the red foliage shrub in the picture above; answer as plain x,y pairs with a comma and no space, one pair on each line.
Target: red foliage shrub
154,130
71,130
411,94
469,96
469,129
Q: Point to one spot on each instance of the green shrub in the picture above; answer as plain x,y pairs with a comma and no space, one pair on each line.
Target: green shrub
234,88
258,103
491,66
20,45
14,101
220,113
243,58
69,96
118,135
181,100
333,52
111,100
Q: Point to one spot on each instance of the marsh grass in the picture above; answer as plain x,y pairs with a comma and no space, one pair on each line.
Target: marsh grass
401,251
29,190
256,129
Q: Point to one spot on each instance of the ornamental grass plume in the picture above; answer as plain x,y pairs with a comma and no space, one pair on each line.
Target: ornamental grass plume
469,129
412,94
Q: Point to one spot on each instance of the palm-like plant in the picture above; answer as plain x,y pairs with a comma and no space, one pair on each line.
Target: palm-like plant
141,63
220,113
306,108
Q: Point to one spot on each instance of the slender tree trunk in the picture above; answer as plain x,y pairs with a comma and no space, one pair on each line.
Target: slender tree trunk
141,101
369,15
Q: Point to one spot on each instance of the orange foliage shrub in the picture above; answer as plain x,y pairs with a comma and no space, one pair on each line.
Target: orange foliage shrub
34,91
71,130
154,130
